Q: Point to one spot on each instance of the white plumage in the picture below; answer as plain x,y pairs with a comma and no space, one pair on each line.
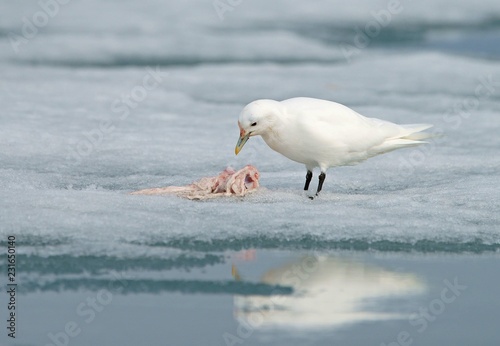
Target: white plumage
320,133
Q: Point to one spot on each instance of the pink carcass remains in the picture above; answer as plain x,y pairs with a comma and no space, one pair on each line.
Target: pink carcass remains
228,183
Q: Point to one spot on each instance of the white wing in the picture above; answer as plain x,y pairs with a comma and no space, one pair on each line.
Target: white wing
337,135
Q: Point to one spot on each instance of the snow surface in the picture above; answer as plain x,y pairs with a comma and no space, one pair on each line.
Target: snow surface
63,83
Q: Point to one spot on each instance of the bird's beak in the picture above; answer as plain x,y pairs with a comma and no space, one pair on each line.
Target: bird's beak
243,139
241,142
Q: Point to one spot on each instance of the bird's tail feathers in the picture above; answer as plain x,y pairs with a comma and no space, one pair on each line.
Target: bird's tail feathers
409,136
413,132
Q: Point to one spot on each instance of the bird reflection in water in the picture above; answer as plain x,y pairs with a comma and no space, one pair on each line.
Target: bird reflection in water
327,292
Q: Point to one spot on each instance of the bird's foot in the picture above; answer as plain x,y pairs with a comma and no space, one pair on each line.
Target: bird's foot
313,197
307,194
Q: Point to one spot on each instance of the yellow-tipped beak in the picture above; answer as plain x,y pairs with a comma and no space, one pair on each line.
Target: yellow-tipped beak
241,142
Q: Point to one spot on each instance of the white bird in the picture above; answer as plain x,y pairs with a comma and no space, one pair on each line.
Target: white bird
324,134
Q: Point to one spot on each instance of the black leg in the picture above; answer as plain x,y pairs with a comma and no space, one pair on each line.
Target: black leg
322,177
309,176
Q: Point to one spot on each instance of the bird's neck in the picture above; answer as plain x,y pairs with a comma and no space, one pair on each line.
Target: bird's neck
274,136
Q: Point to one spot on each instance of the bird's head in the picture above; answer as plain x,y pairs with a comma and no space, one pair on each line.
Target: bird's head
257,118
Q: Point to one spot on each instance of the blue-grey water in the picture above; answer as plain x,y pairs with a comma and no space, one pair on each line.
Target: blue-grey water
101,98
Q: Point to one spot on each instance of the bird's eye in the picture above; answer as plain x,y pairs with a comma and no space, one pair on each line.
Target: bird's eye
253,124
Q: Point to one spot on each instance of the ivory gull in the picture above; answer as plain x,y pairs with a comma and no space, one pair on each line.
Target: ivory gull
324,134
